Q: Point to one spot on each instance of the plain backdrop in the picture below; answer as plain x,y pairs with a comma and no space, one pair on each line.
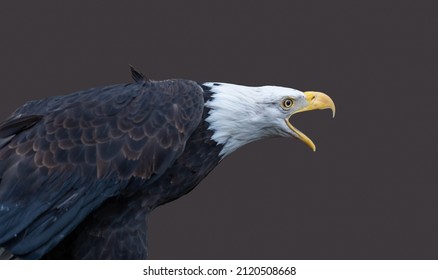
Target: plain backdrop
370,190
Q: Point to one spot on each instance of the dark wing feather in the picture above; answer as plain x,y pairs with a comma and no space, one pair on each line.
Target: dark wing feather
62,157
137,76
14,126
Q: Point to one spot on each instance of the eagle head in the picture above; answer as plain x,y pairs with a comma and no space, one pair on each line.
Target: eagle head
239,114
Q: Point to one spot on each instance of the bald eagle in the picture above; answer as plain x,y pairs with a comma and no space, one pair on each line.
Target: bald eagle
80,173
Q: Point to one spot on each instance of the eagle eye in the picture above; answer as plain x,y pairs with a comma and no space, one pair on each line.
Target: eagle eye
287,103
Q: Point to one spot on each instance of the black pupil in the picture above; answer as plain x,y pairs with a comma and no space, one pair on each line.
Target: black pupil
288,103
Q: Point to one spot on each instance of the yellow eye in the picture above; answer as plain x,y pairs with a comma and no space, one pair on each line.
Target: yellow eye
287,103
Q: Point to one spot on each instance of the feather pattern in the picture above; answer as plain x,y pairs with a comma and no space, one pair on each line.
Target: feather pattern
61,158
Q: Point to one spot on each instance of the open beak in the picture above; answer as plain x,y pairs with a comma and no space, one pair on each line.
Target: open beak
315,101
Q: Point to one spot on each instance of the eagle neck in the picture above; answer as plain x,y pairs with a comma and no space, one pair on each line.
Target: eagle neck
234,117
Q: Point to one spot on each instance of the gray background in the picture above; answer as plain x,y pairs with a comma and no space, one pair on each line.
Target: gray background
370,190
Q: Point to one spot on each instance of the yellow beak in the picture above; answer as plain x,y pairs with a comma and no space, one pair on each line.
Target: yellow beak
315,101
